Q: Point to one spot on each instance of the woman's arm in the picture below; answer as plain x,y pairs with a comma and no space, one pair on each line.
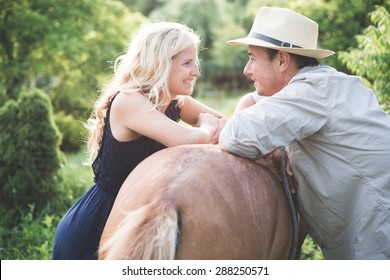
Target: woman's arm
245,102
133,115
191,110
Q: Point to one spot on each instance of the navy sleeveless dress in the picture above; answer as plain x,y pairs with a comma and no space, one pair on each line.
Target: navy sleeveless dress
78,233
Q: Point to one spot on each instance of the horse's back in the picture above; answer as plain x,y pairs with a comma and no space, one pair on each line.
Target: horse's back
226,207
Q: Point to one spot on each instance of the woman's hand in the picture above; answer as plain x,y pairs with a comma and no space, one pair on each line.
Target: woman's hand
221,124
210,124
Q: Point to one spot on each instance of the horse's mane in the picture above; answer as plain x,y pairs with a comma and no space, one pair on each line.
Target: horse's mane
147,233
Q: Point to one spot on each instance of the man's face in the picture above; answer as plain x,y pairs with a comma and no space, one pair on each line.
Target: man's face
263,71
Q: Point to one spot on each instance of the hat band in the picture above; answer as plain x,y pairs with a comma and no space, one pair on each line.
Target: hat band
272,40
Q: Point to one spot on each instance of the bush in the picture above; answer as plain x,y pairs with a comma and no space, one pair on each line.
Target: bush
73,132
31,239
30,155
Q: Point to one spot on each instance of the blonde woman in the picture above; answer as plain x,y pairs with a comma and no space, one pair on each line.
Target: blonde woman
136,116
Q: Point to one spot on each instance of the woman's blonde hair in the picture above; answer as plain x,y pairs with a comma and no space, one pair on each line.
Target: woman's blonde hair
145,67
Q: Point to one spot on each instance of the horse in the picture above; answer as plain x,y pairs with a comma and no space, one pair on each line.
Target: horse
197,202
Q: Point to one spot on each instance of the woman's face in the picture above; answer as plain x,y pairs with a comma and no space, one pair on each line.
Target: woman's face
184,72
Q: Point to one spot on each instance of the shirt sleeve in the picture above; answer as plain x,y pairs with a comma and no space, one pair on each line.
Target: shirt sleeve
296,112
255,97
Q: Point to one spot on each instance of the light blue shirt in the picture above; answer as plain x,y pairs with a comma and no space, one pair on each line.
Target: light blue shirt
338,142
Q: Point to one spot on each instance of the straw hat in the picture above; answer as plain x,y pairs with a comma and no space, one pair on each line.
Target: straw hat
285,30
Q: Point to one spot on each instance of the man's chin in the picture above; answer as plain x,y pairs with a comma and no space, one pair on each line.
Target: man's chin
258,91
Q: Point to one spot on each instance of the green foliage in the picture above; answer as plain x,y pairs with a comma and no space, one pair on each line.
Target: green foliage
143,6
77,177
30,155
371,60
73,131
224,103
310,250
228,73
31,239
337,29
61,46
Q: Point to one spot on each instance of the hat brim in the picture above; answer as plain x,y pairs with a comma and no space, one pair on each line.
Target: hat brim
315,53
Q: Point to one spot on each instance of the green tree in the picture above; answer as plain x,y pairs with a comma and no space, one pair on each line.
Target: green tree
339,21
30,154
143,6
371,59
62,47
229,61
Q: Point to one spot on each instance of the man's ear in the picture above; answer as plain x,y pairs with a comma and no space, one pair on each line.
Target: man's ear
284,59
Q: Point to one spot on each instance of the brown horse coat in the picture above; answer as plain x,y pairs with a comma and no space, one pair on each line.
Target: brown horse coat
197,202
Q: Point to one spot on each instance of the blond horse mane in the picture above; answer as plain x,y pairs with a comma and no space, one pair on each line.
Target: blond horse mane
147,233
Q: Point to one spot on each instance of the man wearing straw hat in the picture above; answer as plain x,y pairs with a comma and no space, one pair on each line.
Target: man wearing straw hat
332,127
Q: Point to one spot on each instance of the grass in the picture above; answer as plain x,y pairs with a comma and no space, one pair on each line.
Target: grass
224,104
76,172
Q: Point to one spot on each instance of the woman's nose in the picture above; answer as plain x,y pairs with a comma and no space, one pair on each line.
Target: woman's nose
195,71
